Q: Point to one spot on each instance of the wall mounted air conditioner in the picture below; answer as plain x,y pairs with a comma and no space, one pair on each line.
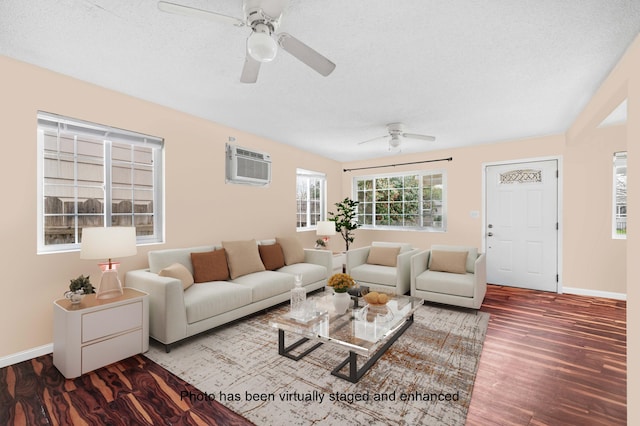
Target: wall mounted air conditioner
247,166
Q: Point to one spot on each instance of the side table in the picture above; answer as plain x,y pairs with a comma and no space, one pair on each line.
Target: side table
98,332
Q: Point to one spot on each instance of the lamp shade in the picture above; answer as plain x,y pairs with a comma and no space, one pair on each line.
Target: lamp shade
108,243
326,227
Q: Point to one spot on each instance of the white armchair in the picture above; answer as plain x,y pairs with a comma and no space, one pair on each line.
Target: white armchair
382,266
445,275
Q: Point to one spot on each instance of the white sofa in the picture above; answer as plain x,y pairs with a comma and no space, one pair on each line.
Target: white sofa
177,313
386,273
464,287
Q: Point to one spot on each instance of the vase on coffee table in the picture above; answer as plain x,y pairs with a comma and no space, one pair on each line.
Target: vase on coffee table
341,302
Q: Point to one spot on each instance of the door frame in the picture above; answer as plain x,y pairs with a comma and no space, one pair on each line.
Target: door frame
560,195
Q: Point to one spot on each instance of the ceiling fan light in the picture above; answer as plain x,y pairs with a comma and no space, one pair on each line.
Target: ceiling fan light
262,47
394,142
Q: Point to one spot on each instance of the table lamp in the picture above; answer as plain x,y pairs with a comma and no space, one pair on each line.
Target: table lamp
108,243
325,229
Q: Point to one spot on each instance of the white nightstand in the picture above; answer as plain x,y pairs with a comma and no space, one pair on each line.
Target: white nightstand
96,332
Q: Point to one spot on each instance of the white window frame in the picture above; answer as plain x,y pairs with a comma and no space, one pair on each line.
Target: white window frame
619,211
109,136
420,227
306,177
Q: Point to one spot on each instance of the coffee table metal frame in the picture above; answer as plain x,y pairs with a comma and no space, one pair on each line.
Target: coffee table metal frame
354,373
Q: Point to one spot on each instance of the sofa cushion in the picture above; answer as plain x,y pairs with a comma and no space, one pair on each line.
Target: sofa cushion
292,250
180,272
266,284
375,274
454,262
159,259
272,256
446,283
207,300
385,256
242,257
471,258
210,266
311,273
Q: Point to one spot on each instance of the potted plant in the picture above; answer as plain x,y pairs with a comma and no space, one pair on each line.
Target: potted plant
340,284
345,219
78,287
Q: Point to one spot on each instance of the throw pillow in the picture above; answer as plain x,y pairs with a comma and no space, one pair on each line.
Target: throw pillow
210,266
272,256
385,256
180,272
454,262
292,250
243,257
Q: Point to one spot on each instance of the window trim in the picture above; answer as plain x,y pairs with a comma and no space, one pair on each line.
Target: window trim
109,136
619,161
323,198
421,174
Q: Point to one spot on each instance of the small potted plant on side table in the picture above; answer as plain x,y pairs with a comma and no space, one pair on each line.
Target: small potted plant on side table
78,287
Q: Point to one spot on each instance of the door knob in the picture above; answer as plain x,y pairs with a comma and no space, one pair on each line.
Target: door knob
490,234
490,226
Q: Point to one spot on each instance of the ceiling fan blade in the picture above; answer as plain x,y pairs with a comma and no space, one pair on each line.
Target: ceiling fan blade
374,139
306,54
250,70
421,137
179,9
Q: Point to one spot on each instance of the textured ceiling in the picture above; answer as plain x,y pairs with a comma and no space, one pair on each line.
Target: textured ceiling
465,71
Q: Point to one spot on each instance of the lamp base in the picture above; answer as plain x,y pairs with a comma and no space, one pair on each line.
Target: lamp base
110,285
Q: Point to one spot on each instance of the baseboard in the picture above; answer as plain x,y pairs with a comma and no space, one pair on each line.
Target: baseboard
594,293
25,355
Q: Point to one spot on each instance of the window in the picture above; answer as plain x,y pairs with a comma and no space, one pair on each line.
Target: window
620,195
311,199
94,175
414,200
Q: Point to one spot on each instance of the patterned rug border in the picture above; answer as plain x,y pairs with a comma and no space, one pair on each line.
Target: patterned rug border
238,365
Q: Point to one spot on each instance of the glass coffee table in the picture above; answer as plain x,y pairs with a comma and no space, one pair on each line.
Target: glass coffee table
367,331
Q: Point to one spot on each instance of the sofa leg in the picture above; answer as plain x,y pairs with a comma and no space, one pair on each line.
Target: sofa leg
167,348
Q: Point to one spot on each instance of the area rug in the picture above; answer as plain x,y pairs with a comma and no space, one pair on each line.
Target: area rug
426,376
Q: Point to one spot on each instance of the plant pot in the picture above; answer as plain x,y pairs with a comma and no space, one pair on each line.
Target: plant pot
341,302
75,298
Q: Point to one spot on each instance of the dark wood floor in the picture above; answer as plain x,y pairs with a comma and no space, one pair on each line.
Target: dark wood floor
551,359
548,359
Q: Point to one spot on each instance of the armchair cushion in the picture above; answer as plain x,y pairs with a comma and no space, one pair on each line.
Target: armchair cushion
385,256
445,283
243,257
454,262
210,266
383,275
471,258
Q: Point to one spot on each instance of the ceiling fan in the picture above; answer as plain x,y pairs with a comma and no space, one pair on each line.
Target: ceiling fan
263,17
396,133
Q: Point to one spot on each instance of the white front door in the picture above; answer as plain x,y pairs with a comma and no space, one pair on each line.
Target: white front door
521,224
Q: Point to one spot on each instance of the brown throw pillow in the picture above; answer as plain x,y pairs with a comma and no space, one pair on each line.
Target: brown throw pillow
272,256
243,257
385,256
292,250
210,266
180,272
454,262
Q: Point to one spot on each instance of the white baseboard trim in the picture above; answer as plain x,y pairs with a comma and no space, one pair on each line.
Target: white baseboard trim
594,293
8,360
